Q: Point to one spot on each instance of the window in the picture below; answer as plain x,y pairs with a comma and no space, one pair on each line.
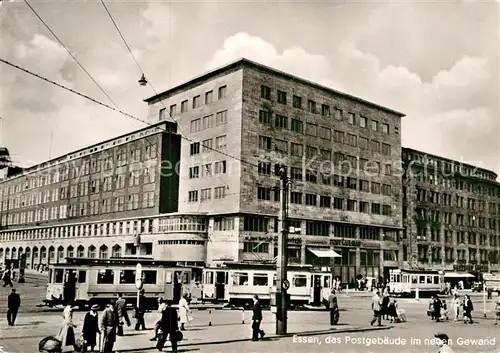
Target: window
222,92
148,199
264,142
265,117
296,173
375,146
207,146
375,208
374,125
311,129
351,118
338,114
105,277
338,136
221,117
208,122
388,169
184,106
364,207
386,189
325,201
281,121
311,199
363,142
326,155
220,167
311,106
352,183
386,210
325,110
297,126
173,110
386,149
338,203
193,196
364,185
205,195
195,148
385,128
194,172
195,125
281,97
162,114
209,97
376,188
264,168
220,143
207,170
362,121
325,133
196,102
297,102
264,193
350,140
352,205
265,92
281,146
296,197
297,150
220,192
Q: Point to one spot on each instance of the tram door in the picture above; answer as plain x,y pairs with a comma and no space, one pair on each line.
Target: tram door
69,291
177,287
220,285
316,283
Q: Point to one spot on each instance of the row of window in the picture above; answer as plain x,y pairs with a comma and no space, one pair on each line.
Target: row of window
324,132
208,121
82,209
75,169
457,184
205,195
436,216
206,170
325,110
197,102
462,237
433,254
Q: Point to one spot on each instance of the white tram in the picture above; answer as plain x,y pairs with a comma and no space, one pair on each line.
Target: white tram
405,282
237,283
86,281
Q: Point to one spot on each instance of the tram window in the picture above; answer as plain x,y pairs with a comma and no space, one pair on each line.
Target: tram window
127,276
274,280
209,277
421,279
105,277
240,279
414,279
436,279
260,279
149,277
429,279
58,276
82,276
168,277
405,279
300,281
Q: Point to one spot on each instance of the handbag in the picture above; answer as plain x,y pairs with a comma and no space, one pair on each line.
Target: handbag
179,336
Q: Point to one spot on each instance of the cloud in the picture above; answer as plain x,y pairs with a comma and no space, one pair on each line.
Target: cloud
445,115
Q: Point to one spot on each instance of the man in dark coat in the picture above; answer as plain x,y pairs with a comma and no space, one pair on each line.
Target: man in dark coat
437,308
140,311
333,307
121,312
257,319
91,328
169,327
109,325
7,277
13,304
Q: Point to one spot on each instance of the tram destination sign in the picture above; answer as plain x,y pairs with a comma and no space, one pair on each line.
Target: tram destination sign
345,242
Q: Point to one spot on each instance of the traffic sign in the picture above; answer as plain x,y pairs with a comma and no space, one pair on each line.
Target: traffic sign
138,272
138,284
285,284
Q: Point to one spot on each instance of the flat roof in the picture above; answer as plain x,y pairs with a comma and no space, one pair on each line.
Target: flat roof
243,62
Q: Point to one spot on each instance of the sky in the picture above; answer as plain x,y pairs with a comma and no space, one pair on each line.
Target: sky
435,61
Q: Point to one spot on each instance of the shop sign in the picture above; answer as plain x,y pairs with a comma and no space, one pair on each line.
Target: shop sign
470,268
345,242
370,245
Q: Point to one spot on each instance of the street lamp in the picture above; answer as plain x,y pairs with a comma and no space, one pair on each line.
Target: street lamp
282,263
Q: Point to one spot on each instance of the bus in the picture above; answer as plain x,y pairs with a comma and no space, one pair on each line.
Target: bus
88,281
405,282
237,283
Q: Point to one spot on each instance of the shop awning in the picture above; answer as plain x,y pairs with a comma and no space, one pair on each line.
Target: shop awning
458,275
324,253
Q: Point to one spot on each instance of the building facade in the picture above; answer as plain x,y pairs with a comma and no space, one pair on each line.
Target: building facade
244,121
451,214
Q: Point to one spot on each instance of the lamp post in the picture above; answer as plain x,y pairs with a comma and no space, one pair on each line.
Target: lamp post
282,263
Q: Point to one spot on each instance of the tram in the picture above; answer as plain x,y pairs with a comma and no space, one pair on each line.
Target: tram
405,282
237,283
88,281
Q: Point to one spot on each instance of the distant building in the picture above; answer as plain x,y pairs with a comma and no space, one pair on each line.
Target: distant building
243,121
451,214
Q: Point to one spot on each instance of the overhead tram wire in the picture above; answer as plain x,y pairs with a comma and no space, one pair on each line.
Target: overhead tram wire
71,54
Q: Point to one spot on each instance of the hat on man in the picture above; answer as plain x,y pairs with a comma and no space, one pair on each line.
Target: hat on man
50,344
94,307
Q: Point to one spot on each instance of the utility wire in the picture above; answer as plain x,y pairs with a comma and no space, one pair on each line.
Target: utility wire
115,109
70,53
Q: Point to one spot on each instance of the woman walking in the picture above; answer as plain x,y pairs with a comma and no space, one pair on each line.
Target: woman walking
66,333
183,311
468,308
455,305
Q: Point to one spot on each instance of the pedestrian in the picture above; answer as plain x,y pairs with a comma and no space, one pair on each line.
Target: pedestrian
257,319
140,310
13,304
184,311
90,328
168,327
437,308
333,306
162,305
50,345
384,310
376,306
442,342
109,325
490,293
67,333
7,277
455,306
468,308
497,311
121,312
